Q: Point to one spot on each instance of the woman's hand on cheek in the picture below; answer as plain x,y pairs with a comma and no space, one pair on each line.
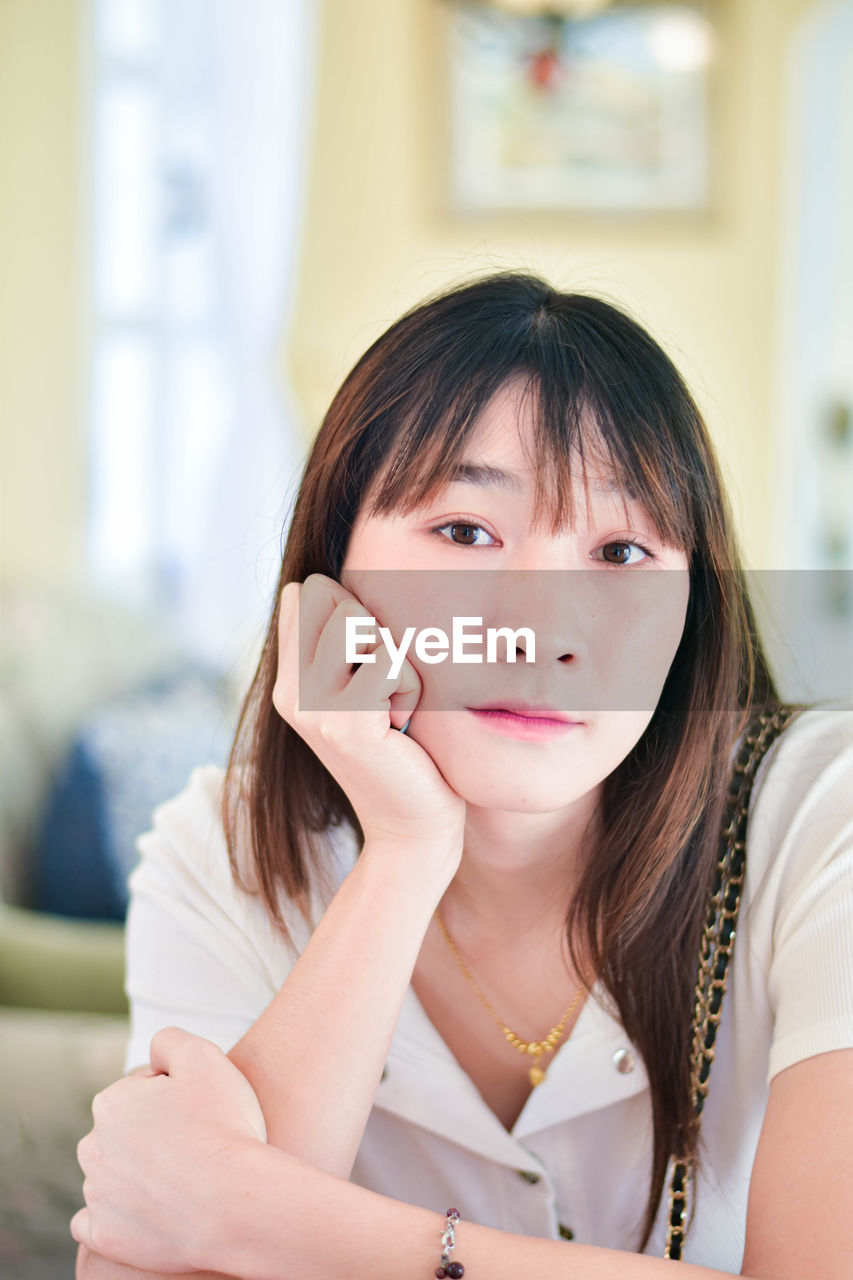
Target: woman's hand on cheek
160,1161
350,718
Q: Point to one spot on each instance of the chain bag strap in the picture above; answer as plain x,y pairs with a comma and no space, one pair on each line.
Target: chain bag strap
715,950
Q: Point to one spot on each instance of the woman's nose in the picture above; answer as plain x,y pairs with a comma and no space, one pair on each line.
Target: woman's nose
552,613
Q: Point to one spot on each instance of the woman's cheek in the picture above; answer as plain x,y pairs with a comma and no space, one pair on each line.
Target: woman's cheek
634,642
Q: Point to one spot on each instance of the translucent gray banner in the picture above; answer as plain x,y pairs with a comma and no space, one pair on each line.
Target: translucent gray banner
556,644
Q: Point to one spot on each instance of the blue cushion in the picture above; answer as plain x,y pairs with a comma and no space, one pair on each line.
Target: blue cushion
127,757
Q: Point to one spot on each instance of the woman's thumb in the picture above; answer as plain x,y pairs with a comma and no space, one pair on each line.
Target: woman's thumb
166,1047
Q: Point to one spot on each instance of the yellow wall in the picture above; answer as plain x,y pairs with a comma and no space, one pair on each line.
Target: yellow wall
376,238
42,499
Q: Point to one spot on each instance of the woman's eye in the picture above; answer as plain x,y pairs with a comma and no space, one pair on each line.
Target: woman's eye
466,535
624,553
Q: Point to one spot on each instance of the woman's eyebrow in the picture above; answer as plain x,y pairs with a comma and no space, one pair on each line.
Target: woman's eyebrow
483,475
613,489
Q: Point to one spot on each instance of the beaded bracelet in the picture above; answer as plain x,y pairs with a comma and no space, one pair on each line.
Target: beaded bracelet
453,1270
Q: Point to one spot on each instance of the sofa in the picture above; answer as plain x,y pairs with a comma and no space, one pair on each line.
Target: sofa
102,716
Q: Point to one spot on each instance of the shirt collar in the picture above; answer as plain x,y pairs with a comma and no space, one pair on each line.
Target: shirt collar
425,1085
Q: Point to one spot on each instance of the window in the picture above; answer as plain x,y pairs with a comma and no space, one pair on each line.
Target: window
161,378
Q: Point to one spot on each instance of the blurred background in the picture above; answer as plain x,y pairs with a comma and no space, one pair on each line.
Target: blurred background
208,210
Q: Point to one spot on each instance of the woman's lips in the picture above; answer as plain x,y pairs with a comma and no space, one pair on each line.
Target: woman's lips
519,721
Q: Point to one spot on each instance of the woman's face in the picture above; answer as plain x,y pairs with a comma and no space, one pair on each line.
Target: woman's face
604,599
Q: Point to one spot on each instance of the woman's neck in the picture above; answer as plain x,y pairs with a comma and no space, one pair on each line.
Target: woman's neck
518,870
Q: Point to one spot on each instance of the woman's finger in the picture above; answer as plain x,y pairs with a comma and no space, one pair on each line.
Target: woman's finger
80,1227
310,614
285,691
407,696
329,672
318,598
372,686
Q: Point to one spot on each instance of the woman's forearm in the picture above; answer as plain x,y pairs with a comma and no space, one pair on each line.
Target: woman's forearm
316,1054
291,1219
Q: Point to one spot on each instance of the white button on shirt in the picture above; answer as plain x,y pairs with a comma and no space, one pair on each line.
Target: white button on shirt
203,955
624,1061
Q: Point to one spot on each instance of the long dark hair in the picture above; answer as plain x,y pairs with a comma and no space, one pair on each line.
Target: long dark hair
397,427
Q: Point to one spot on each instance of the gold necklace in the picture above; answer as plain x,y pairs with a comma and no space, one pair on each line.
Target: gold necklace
536,1048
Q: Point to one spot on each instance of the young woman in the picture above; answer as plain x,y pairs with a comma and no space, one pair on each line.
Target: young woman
449,940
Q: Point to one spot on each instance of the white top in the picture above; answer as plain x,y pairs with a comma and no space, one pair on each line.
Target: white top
202,955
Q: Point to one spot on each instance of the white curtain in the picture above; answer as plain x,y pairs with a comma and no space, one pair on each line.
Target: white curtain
261,63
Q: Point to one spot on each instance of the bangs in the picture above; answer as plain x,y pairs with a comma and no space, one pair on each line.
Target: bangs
582,437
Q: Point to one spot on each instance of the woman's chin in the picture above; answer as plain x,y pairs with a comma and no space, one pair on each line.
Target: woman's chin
518,800
514,786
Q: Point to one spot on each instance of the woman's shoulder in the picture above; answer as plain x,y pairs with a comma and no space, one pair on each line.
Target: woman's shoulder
187,846
813,756
801,813
818,732
797,916
187,832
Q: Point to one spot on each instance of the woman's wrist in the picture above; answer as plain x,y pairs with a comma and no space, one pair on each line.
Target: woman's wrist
266,1220
274,1215
235,1233
430,862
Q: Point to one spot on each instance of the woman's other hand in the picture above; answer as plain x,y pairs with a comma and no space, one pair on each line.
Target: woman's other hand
396,789
161,1156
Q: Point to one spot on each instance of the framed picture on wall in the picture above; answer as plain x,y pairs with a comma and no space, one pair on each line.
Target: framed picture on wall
608,112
